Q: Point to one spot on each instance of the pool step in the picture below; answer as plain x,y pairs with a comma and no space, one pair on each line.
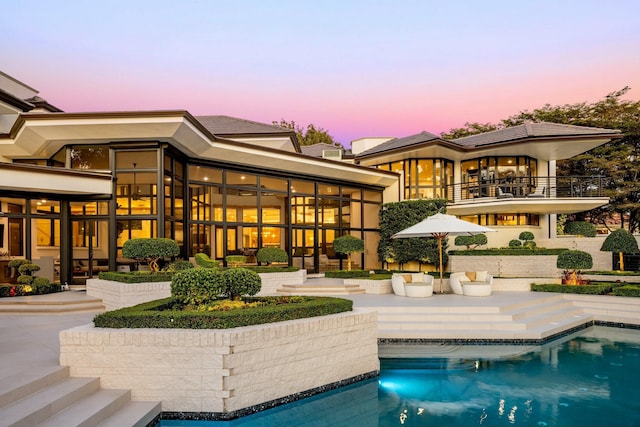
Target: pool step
50,397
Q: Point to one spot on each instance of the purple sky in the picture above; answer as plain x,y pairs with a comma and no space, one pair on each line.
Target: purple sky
353,68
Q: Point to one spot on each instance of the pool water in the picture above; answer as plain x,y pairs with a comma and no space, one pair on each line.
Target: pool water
586,379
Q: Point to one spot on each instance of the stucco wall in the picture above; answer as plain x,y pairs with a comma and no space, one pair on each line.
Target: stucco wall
225,370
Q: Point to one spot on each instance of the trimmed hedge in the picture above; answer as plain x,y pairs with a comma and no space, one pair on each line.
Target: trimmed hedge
235,260
37,288
271,269
347,274
574,260
197,285
627,291
203,260
269,255
594,288
580,228
136,276
167,313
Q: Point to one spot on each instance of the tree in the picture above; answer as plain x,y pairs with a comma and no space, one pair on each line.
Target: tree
469,241
150,250
310,136
572,261
616,159
620,241
348,245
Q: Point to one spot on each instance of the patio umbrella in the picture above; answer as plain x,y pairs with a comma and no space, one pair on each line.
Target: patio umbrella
440,226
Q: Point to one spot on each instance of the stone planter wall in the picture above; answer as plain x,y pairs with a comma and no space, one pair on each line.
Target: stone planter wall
225,371
508,266
272,281
115,295
377,287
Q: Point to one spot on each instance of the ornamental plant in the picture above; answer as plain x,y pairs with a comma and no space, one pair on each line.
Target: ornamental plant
348,245
269,255
572,261
240,281
621,241
580,228
471,242
150,250
196,286
515,243
203,260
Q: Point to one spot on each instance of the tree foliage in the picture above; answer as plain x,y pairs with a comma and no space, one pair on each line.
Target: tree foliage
620,241
395,217
617,159
309,136
471,242
150,250
348,245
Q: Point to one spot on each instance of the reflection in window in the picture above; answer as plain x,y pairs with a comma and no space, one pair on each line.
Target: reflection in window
90,157
48,232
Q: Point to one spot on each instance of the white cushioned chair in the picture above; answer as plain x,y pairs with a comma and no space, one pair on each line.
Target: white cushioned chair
475,283
417,285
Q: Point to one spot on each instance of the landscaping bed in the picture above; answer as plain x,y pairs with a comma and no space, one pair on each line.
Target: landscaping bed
19,290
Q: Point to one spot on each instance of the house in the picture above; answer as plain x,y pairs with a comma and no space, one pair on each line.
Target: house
75,186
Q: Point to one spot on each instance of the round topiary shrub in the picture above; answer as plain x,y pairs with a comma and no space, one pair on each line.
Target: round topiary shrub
621,241
580,228
177,266
515,243
270,255
150,250
25,279
41,281
241,281
574,260
529,244
15,263
197,286
203,260
26,269
526,236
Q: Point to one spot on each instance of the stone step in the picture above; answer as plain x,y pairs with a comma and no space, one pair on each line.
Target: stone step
40,305
134,414
320,289
22,384
89,410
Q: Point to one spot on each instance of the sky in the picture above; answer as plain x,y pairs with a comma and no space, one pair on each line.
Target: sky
353,68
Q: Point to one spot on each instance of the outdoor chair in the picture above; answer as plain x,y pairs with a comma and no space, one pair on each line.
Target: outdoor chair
500,194
474,283
539,192
416,285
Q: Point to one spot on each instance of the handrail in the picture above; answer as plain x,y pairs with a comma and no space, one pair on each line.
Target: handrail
530,187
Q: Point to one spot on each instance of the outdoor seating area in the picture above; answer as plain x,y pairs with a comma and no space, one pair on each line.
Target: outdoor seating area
414,285
472,283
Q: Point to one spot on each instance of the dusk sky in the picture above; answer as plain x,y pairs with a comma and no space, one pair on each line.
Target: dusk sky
353,68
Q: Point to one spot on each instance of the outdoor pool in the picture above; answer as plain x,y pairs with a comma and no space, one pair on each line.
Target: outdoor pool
586,379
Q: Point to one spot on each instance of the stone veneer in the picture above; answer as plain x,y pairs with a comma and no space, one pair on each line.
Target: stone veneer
376,287
226,371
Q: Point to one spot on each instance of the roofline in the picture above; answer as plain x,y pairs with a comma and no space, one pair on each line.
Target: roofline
15,101
419,145
56,171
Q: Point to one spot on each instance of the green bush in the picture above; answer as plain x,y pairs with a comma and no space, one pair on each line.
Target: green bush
36,288
348,245
178,265
16,263
580,228
526,236
241,281
510,251
40,281
469,241
272,269
197,286
25,279
627,291
515,243
268,255
136,276
235,260
150,250
203,260
574,260
28,268
590,289
621,241
529,244
346,274
168,313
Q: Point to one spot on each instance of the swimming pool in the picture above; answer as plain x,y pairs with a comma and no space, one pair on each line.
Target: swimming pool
586,379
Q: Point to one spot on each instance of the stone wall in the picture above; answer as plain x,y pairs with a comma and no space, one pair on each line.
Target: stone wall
222,371
376,287
272,281
116,295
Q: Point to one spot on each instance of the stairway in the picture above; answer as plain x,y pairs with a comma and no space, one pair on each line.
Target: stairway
528,320
60,302
320,290
48,396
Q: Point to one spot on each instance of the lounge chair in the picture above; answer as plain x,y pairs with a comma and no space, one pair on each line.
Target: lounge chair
500,194
475,283
416,285
539,192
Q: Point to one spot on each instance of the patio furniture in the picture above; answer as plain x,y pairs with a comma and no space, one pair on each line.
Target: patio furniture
473,283
539,192
500,194
416,285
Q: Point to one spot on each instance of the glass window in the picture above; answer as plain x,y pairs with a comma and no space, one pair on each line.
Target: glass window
44,206
302,187
143,159
48,232
89,208
276,184
90,157
206,174
240,178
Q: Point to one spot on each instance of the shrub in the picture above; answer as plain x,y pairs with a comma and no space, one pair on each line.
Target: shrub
197,286
526,236
621,241
591,289
348,245
203,260
241,281
529,244
515,243
27,268
627,291
580,228
572,261
25,279
35,288
136,276
270,255
347,274
235,260
150,250
15,263
40,281
469,241
177,266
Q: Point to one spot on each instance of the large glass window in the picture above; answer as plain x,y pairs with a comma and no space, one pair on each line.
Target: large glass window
514,174
424,178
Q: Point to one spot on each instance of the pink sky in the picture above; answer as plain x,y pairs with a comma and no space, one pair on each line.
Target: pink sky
355,69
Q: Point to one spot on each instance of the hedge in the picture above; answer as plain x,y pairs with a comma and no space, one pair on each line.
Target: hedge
167,313
580,228
627,291
136,276
594,288
22,290
347,274
203,260
508,251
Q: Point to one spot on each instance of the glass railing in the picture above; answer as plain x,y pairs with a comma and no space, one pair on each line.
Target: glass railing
531,187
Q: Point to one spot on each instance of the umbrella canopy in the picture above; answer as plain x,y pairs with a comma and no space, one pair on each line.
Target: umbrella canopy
440,226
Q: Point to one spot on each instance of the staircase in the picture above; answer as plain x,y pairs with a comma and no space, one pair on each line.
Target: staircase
61,302
528,320
48,396
319,290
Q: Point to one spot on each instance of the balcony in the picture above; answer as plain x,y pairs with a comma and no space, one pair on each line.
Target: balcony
539,195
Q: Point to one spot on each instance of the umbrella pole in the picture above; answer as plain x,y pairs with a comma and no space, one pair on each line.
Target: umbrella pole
440,251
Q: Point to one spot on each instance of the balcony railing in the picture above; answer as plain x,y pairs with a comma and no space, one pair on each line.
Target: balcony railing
530,187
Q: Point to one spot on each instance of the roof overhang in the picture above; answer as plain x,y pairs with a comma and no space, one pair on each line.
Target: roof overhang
42,135
19,178
538,206
547,148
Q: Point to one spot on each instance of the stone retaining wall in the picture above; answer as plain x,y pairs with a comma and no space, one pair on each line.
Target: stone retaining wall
508,266
223,371
376,287
115,295
272,281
